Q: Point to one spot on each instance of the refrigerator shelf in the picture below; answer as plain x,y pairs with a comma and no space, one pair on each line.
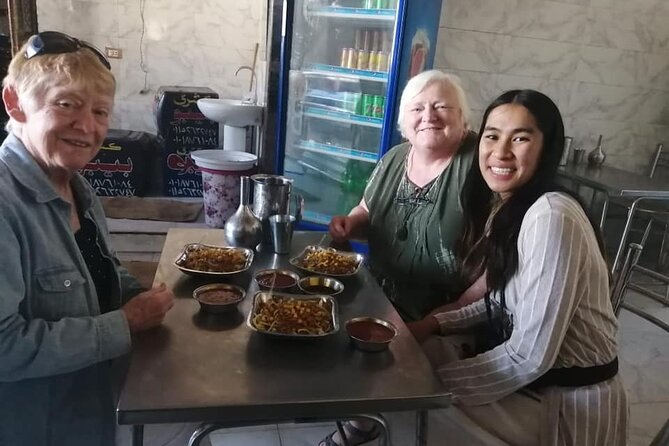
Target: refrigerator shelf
332,70
321,171
341,152
317,217
355,13
339,116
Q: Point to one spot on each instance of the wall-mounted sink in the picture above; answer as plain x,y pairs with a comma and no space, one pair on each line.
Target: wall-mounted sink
232,112
235,115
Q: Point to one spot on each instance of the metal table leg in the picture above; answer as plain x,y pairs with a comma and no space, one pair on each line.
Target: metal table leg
421,428
137,435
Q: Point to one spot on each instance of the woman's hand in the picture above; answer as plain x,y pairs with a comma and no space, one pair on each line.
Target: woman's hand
148,309
343,228
424,328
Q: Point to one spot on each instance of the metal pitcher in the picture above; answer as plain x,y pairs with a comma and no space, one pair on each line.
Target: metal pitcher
272,195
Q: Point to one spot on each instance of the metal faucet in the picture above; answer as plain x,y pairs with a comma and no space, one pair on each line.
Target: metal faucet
252,95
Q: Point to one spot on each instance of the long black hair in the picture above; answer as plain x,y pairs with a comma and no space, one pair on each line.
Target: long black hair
494,249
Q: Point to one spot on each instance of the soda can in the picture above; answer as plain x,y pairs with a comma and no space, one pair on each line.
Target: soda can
381,61
363,60
378,104
367,104
352,58
350,101
344,57
373,60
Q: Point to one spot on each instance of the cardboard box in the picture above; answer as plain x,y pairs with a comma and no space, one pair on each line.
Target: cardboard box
179,120
122,166
182,128
181,177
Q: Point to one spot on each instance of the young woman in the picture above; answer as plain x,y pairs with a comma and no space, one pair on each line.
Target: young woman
549,373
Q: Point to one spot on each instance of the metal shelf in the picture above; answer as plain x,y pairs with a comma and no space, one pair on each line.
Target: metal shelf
351,73
340,116
387,15
342,152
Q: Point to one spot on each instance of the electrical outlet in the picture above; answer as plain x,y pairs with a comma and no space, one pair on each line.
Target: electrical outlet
113,53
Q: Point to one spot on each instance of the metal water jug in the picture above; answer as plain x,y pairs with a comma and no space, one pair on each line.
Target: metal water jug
272,195
243,228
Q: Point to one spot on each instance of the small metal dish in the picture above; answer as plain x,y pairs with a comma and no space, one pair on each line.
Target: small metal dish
218,297
370,334
276,279
321,285
191,250
268,315
300,261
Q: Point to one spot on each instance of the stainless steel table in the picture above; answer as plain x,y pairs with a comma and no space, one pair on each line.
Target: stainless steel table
612,182
206,368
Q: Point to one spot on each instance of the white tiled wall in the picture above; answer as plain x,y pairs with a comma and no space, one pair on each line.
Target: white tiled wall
604,62
177,42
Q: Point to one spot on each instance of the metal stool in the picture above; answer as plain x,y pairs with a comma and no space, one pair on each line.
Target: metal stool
206,428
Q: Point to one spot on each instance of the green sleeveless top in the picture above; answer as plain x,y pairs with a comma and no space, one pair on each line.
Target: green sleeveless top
413,231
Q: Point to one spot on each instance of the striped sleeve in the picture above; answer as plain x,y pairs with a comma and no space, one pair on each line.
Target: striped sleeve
463,318
551,247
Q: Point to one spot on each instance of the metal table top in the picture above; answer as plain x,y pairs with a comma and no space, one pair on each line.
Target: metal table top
199,367
617,182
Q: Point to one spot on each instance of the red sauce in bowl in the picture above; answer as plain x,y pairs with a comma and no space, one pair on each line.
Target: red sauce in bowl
369,331
276,280
218,296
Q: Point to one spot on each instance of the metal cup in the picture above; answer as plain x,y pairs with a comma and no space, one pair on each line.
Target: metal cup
281,228
579,154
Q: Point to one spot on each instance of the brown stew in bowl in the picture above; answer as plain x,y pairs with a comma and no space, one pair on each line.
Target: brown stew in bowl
218,296
369,331
276,280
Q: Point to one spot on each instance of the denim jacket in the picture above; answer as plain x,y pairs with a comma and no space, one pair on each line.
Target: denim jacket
55,346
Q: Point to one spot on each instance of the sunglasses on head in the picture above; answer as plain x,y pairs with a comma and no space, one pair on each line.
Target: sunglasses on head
53,42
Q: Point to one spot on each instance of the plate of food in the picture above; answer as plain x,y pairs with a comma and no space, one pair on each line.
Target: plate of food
328,261
198,259
294,316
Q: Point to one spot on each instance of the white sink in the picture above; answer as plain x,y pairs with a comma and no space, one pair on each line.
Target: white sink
231,112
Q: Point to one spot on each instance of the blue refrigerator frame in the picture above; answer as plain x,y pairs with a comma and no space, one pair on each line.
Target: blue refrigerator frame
412,17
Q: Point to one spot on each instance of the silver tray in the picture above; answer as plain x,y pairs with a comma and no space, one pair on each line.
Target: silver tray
262,297
181,259
298,261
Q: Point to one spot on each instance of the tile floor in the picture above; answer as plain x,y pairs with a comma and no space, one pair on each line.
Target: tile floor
644,367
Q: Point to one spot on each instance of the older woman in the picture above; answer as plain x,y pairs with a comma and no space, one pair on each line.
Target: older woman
549,375
65,305
411,211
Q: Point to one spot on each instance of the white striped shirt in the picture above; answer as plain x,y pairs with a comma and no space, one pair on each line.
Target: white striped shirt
562,317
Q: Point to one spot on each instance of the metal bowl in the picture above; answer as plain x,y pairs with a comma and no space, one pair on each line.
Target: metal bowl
370,334
182,260
276,283
263,298
323,285
300,261
218,305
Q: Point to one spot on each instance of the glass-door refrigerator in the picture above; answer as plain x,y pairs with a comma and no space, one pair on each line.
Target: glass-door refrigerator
344,64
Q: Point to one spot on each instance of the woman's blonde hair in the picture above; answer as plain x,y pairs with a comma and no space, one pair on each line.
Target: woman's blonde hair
421,81
32,78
